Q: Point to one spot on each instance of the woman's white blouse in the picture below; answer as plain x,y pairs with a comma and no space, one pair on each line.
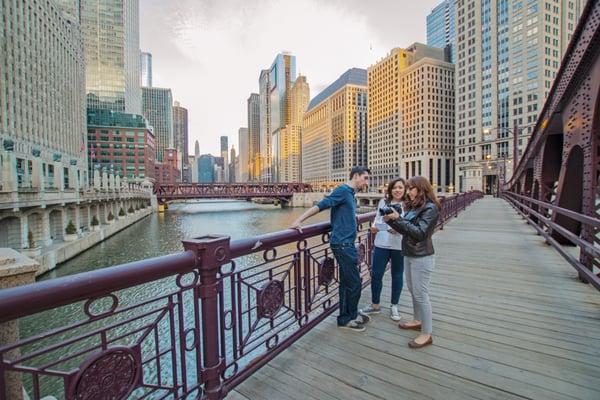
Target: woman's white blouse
386,238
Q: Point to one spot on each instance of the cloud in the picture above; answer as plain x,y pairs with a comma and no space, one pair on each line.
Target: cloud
211,52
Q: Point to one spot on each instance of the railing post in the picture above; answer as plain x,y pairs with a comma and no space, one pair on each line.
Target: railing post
211,251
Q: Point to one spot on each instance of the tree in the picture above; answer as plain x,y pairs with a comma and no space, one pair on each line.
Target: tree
95,221
121,212
70,230
110,216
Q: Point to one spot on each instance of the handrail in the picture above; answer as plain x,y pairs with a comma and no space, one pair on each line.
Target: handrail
40,296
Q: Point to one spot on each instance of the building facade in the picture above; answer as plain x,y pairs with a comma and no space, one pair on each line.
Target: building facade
334,131
233,166
225,157
146,69
111,41
265,126
290,141
507,56
42,100
180,139
158,111
411,118
243,171
253,156
282,76
167,171
206,169
121,143
441,28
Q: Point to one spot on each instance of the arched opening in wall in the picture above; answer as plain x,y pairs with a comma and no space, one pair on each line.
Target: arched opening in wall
56,225
72,216
571,194
551,164
102,213
528,182
84,219
35,231
10,233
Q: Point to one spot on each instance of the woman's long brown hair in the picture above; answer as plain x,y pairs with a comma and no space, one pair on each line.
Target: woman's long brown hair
388,192
424,193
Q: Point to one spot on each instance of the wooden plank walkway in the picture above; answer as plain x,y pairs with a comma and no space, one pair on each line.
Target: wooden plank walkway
511,321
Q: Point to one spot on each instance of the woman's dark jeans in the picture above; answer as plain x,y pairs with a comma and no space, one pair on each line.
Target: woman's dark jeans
380,259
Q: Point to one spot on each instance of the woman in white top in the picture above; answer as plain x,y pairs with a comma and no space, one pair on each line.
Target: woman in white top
388,247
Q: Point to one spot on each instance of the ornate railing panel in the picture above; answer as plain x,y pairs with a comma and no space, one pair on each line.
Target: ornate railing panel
192,324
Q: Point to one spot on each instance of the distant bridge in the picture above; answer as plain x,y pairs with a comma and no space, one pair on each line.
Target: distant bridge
179,191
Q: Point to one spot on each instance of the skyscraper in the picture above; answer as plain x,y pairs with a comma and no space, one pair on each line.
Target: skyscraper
197,149
180,138
206,169
411,116
225,156
291,134
110,30
281,78
158,110
265,126
232,166
334,130
507,56
42,99
243,157
146,69
441,28
253,137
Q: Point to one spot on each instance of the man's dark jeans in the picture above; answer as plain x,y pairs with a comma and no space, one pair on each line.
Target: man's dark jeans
350,281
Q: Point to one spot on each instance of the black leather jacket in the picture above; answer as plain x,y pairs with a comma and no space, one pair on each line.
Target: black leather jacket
416,228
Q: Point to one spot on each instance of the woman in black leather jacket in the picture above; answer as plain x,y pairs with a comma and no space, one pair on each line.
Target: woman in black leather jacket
417,227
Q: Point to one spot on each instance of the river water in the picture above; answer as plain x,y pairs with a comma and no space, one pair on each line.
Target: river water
161,233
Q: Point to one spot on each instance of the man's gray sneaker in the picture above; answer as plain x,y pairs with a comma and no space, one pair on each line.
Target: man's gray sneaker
353,326
370,310
362,319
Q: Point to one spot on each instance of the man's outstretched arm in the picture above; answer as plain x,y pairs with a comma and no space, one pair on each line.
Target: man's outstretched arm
307,214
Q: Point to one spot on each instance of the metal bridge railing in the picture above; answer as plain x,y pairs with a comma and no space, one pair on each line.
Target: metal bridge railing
539,214
191,324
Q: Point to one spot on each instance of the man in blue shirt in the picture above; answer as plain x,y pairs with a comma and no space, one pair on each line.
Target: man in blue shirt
343,235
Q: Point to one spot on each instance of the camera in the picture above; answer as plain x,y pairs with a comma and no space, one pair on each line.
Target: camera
388,209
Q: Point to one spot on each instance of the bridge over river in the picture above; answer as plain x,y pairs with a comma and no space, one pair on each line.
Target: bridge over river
515,295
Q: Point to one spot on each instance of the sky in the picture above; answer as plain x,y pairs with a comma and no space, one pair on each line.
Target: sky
210,52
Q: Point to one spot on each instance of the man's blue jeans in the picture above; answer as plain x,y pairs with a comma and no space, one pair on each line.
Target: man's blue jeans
381,257
350,281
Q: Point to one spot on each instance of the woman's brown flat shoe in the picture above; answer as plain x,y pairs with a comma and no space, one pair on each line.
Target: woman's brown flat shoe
414,345
403,325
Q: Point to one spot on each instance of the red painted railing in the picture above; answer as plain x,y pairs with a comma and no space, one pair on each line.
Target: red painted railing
192,324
